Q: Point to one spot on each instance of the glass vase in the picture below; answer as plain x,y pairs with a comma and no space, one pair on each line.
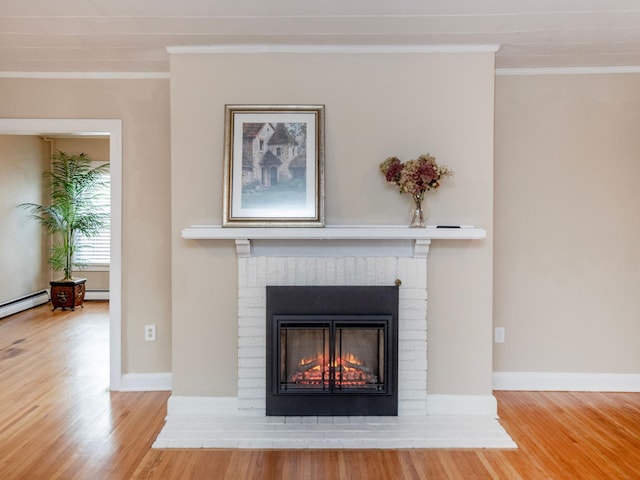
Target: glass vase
417,218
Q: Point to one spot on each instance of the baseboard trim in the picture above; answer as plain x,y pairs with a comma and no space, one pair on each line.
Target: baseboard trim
485,405
186,405
145,382
96,295
24,303
570,382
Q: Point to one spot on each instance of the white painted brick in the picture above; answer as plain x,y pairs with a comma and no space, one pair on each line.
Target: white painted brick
413,334
413,385
261,271
242,272
410,367
411,356
417,375
251,272
408,293
252,363
310,276
251,352
406,273
340,271
251,292
392,268
406,324
251,372
251,312
251,302
378,265
260,363
416,357
413,345
319,273
252,342
251,383
412,393
409,377
371,272
297,271
419,305
412,408
360,272
272,271
331,271
281,271
406,314
251,331
255,393
256,404
290,269
253,321
350,271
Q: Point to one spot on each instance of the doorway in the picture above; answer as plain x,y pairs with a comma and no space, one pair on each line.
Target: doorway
113,129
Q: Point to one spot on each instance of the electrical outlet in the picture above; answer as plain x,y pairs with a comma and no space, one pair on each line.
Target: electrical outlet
150,333
498,335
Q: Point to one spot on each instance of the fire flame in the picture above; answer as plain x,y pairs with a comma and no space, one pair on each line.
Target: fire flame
349,371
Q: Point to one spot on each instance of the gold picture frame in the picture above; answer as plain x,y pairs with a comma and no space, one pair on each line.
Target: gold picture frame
274,166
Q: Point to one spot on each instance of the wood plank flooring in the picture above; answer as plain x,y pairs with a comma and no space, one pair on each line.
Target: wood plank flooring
59,421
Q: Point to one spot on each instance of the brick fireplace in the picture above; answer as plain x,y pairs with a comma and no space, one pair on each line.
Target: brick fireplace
332,256
256,272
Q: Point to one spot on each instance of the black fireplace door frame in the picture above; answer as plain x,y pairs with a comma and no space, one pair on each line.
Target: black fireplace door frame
326,307
332,324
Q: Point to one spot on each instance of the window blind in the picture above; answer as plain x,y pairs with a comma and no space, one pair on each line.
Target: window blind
96,251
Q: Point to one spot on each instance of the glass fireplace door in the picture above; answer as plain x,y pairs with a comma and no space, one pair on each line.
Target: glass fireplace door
359,357
332,356
305,357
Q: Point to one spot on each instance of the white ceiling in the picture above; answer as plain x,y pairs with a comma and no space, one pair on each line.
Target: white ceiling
132,35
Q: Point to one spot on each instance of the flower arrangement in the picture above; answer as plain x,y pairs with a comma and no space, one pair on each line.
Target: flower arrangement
415,177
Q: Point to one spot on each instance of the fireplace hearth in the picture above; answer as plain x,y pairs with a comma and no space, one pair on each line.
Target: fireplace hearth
332,350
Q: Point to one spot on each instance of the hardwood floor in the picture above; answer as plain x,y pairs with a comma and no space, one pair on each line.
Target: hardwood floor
59,421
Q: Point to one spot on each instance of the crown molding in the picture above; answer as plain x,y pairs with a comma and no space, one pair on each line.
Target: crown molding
276,48
568,70
88,75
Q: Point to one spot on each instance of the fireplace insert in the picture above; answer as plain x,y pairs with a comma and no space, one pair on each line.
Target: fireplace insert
332,350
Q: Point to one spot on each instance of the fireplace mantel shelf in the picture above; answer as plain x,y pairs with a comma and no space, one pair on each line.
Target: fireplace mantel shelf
341,232
421,237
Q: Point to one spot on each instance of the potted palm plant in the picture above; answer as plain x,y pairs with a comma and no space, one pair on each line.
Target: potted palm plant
73,184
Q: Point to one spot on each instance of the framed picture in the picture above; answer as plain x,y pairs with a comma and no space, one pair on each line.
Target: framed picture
274,166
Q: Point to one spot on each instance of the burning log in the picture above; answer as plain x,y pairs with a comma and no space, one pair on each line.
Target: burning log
302,368
349,372
356,366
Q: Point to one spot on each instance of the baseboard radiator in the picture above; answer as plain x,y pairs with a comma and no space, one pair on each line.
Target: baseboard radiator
23,303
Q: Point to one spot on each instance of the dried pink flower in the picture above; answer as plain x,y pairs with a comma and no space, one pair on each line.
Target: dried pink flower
414,176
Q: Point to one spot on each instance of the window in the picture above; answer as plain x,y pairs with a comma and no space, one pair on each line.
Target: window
96,251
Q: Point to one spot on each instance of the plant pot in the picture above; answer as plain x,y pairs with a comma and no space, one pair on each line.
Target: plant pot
68,293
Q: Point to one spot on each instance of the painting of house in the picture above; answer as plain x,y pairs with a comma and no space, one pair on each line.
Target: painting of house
273,154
